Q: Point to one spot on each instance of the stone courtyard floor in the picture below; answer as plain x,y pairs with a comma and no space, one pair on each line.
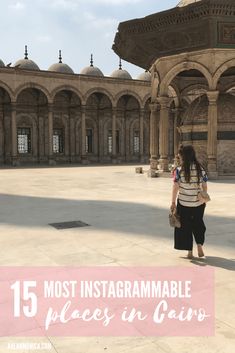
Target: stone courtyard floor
128,214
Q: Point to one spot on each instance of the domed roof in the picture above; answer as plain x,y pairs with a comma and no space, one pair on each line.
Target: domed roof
61,67
120,73
187,2
92,70
1,63
145,76
26,63
197,111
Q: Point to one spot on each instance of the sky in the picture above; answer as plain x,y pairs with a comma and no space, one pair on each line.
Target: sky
77,27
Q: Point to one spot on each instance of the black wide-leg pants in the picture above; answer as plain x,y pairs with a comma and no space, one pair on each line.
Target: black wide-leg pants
192,224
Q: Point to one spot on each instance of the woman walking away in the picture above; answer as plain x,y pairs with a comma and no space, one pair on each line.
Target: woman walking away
189,179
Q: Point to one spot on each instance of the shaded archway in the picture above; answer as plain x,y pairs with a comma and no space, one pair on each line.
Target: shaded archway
128,116
98,120
31,120
172,112
5,126
226,119
66,119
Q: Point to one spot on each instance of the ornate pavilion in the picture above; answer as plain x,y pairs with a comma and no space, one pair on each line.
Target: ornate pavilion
190,51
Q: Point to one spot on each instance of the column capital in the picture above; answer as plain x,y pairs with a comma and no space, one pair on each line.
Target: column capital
83,108
175,110
50,107
212,96
114,110
164,102
153,106
13,106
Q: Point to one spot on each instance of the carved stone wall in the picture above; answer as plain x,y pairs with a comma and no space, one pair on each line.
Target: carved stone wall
226,157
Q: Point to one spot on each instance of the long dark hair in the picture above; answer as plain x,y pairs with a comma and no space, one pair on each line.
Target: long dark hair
189,159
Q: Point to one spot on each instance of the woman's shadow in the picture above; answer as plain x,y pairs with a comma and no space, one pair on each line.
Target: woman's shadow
214,261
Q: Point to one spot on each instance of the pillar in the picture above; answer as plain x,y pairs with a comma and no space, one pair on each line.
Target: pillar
154,143
212,133
114,129
142,112
71,136
50,134
83,126
14,152
176,132
164,133
2,136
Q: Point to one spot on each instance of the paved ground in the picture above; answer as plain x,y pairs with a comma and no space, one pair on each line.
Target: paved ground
129,217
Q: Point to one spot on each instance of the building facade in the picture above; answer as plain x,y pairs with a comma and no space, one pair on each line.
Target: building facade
57,116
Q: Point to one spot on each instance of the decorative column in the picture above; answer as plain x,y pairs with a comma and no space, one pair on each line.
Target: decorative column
142,111
83,126
164,132
50,135
14,152
2,136
114,129
176,133
154,143
212,133
71,136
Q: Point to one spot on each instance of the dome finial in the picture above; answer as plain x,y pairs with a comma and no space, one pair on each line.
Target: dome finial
60,57
91,62
26,52
120,64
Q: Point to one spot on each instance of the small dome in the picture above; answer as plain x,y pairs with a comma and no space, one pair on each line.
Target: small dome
92,70
1,63
26,63
145,76
61,67
187,2
120,73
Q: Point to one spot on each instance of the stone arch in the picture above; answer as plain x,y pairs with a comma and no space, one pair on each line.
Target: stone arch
219,72
33,102
7,89
128,93
34,85
66,88
99,108
146,98
200,87
184,66
5,123
174,94
98,90
227,87
128,108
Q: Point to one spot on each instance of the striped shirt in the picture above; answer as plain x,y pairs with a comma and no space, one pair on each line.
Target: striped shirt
188,192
